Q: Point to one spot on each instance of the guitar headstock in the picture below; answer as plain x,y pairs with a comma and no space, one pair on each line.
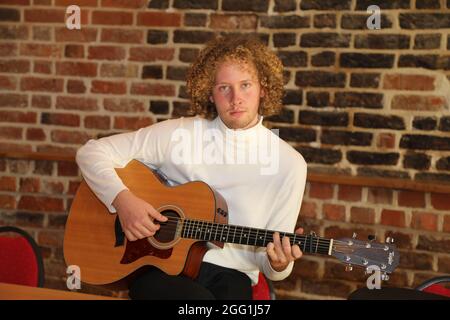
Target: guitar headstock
354,252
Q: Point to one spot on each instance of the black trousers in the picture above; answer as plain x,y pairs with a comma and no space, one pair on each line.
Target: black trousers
213,282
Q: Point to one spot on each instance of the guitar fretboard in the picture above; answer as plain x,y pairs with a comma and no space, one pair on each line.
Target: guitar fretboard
210,231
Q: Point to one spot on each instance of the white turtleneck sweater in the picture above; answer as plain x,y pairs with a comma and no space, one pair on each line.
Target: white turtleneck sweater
264,193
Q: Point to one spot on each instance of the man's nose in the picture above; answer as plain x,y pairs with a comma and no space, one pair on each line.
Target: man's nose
236,96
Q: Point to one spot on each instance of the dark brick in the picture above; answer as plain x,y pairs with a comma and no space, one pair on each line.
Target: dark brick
325,21
323,59
444,124
285,5
424,20
9,14
346,138
382,41
434,244
195,20
158,4
293,58
157,37
197,36
195,4
43,167
317,99
427,4
188,55
297,134
323,156
366,60
424,142
365,80
284,39
180,109
159,107
239,5
320,79
176,73
368,120
323,118
373,172
152,72
183,93
293,97
325,40
427,41
358,100
285,116
418,161
325,4
372,158
443,163
391,4
285,22
359,21
433,177
425,123
427,61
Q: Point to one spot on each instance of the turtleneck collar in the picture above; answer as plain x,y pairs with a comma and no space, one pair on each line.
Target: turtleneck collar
241,133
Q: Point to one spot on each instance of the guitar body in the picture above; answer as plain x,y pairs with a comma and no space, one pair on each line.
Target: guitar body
94,240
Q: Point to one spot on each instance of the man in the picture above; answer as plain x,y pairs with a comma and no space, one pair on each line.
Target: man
232,85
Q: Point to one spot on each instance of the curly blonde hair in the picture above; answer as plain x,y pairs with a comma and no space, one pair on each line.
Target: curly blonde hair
244,49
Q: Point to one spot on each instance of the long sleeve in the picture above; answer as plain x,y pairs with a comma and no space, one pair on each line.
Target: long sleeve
98,158
285,217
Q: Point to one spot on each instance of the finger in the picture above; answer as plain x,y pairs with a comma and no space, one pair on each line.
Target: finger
296,252
278,247
150,225
287,249
130,236
299,231
136,233
156,215
144,231
271,252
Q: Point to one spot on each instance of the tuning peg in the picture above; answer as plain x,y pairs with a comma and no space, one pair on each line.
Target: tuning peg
371,237
348,267
354,235
384,276
389,240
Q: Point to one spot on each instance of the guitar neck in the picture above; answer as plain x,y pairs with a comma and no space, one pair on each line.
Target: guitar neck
210,231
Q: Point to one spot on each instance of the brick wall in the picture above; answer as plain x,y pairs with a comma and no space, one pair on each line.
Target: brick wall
358,102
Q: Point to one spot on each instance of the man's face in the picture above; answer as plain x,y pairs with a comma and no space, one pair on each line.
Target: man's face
237,94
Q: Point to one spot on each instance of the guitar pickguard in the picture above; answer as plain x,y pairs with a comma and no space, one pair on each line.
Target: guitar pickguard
140,248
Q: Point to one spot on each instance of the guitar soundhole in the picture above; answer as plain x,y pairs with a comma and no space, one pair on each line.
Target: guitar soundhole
167,232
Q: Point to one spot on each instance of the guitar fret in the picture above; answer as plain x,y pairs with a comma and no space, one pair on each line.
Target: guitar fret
234,234
317,244
240,238
247,235
256,236
228,232
209,230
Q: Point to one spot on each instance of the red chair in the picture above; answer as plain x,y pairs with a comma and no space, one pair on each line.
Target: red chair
20,258
433,286
263,290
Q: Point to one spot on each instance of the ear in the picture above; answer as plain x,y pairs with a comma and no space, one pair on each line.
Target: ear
211,99
262,93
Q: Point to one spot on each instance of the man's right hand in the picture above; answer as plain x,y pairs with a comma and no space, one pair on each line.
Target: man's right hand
136,216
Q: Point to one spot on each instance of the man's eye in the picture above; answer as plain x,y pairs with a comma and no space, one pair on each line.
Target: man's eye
246,85
223,88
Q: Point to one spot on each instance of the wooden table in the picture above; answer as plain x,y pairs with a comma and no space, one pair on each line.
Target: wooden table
20,292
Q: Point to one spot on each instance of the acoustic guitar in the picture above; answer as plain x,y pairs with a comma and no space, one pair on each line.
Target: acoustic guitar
94,240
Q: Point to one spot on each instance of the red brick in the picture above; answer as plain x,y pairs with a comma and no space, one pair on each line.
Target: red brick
362,215
112,18
380,196
122,36
67,151
150,89
8,49
418,103
67,169
444,264
41,101
80,3
8,184
440,201
16,2
44,67
52,187
74,51
8,83
41,84
414,199
408,82
349,193
13,100
10,133
131,123
424,220
158,19
15,66
73,187
306,269
40,50
43,204
17,116
51,239
97,122
61,119
45,15
82,35
134,4
76,86
393,218
386,140
100,86
76,103
82,69
14,147
320,190
106,53
7,202
147,54
123,105
29,185
35,134
308,209
73,137
446,225
334,212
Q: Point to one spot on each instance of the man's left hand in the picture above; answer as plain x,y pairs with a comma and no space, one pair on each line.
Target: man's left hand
281,253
